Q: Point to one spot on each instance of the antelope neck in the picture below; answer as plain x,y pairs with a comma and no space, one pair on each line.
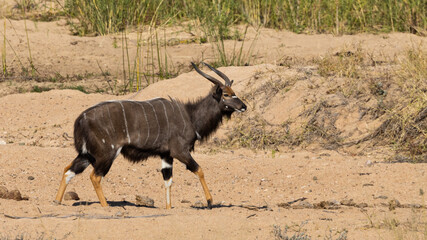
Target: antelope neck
205,115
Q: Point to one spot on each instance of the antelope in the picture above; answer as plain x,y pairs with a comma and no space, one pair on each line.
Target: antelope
156,127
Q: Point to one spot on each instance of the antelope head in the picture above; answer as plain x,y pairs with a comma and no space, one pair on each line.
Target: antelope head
227,99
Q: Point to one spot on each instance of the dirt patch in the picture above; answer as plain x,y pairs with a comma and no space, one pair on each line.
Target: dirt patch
314,130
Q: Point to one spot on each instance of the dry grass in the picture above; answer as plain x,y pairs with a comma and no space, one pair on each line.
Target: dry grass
398,86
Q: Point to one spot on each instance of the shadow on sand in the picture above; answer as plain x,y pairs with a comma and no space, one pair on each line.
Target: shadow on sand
111,204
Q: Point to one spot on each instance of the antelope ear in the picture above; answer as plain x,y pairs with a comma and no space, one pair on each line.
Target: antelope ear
217,94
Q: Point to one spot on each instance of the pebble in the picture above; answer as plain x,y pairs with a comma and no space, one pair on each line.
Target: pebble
71,196
144,201
362,205
30,178
334,204
347,202
304,204
15,195
3,192
198,204
381,197
2,142
393,204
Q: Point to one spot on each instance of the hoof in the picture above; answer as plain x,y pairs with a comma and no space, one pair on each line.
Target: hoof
209,204
56,202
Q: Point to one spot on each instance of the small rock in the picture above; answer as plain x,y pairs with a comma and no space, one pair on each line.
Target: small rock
198,204
347,202
381,197
119,214
362,205
392,204
15,195
25,197
412,205
369,163
71,196
30,178
284,205
327,205
2,142
185,201
144,201
315,178
3,192
304,204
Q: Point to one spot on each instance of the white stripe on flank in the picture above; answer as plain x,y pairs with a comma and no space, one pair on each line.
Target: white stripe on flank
84,149
157,120
70,174
182,116
111,122
118,152
167,119
170,103
146,120
106,129
126,122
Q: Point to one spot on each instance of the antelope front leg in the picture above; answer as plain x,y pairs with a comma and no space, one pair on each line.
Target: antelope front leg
201,175
196,169
96,181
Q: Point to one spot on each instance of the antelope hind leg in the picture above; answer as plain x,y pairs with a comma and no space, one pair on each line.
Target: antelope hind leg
66,177
96,181
167,177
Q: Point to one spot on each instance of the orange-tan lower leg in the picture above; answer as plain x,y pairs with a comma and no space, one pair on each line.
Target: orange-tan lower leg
168,198
62,186
96,181
208,195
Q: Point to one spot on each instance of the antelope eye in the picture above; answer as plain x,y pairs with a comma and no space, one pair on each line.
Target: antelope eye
226,95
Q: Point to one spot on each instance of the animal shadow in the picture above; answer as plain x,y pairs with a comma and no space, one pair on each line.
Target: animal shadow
111,204
219,205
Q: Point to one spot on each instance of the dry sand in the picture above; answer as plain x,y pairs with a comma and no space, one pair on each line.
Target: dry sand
250,188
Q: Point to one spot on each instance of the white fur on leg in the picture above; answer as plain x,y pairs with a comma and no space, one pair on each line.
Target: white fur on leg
168,184
70,174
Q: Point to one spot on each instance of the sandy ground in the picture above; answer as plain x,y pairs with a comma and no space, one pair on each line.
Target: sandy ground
253,191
